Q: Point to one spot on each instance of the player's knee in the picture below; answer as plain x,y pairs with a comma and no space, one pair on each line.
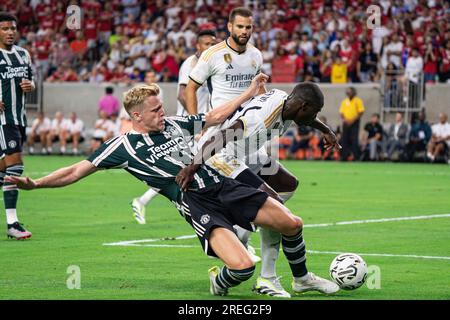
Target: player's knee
294,226
291,184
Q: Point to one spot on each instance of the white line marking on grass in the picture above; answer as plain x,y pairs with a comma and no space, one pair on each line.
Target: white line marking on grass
412,256
136,242
144,242
382,255
321,225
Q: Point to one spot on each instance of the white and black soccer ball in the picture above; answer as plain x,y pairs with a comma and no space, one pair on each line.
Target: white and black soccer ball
349,271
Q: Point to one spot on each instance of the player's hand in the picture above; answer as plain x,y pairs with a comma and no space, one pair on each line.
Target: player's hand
2,106
26,85
258,82
24,183
186,175
331,141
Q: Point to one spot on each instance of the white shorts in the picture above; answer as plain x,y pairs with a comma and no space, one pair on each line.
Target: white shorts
230,166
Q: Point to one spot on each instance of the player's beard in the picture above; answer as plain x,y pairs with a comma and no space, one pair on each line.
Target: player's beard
238,40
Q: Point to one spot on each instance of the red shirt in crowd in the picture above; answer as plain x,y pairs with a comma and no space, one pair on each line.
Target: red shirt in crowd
42,49
105,22
90,27
445,65
40,12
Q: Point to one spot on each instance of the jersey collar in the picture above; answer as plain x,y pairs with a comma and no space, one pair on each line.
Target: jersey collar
238,52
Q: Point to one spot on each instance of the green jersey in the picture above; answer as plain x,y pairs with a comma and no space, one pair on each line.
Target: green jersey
15,65
157,158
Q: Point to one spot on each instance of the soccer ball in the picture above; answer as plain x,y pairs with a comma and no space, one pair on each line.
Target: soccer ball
349,271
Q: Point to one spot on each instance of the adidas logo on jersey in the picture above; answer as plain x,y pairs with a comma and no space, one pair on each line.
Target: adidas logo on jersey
139,144
3,62
229,67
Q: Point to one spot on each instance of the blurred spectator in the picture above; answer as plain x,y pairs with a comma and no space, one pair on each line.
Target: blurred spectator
57,128
338,71
64,73
397,136
310,27
414,66
115,124
430,63
300,148
103,130
367,65
61,53
326,66
109,103
392,87
372,142
139,54
440,139
79,46
72,133
392,52
351,110
419,137
38,132
42,47
444,69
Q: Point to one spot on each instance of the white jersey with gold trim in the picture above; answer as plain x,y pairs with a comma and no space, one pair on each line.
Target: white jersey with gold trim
262,119
227,72
202,92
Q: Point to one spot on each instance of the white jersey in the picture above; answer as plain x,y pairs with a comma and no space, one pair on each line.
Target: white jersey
441,131
226,72
58,126
74,127
41,126
202,92
262,120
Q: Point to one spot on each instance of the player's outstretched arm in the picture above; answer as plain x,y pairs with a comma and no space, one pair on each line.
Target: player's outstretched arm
221,113
328,134
59,178
191,97
208,149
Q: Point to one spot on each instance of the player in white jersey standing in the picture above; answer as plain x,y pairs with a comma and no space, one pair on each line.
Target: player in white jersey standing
228,69
265,116
205,39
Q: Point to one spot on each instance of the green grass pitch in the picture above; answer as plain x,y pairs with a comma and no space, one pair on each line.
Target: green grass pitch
70,226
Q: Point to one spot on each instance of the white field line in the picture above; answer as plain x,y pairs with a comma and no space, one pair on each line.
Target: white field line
321,225
145,242
413,256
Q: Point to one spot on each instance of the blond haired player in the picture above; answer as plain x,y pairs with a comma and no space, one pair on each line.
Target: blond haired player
205,39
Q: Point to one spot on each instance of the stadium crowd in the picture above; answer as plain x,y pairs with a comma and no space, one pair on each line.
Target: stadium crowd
320,40
418,141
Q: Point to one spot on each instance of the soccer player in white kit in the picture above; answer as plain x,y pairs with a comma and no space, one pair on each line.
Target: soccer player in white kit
228,69
205,39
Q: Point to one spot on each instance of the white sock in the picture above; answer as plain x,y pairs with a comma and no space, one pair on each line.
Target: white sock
11,216
63,149
286,195
270,248
242,234
148,196
304,278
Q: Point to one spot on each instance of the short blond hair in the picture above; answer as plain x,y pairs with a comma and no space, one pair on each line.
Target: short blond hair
137,95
